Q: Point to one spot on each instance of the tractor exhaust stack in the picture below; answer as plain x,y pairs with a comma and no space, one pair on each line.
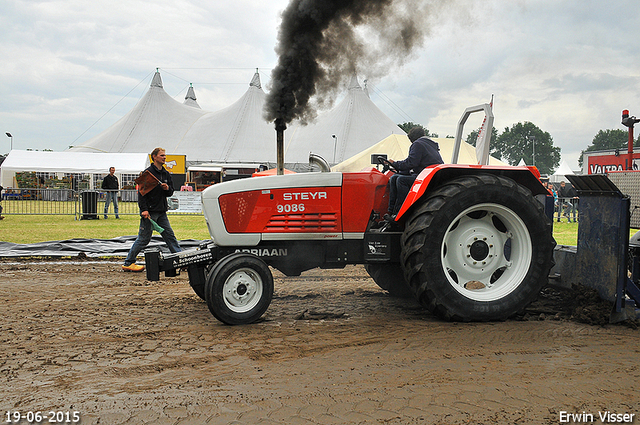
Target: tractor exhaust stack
280,128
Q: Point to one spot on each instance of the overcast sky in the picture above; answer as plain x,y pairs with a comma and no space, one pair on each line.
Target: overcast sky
72,68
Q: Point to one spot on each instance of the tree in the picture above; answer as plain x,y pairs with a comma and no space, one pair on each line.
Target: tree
472,139
609,139
406,126
522,140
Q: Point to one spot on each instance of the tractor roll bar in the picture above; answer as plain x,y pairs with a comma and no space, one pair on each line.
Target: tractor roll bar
482,147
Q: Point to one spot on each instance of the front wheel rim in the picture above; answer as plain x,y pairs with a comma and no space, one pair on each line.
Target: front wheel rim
242,290
486,252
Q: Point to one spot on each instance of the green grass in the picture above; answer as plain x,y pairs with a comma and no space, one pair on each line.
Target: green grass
565,233
42,228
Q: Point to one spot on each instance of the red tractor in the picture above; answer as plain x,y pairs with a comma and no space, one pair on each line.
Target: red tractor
471,242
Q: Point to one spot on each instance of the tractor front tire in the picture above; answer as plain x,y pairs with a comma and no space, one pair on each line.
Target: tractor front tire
239,289
197,279
477,249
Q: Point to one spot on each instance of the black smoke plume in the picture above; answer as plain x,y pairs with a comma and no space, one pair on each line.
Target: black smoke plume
322,43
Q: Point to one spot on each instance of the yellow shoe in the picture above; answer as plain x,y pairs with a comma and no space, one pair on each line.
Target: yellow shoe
133,268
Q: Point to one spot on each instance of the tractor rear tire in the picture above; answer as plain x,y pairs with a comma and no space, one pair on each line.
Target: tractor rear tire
390,278
239,289
477,249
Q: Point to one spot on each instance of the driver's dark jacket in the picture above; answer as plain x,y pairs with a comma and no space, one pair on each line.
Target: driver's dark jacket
422,153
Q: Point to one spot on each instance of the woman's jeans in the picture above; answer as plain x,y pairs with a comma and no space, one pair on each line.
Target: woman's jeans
145,232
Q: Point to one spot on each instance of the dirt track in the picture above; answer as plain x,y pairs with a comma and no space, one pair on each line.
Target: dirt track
332,349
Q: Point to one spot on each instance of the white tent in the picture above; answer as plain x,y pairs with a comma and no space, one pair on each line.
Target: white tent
356,122
397,147
561,172
238,133
70,162
157,120
190,98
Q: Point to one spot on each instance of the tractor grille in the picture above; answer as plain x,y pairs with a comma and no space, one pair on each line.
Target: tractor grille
303,223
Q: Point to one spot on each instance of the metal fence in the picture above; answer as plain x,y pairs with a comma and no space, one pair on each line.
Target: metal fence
566,208
81,204
90,203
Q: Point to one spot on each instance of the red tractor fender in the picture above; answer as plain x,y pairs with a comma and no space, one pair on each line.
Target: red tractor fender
434,176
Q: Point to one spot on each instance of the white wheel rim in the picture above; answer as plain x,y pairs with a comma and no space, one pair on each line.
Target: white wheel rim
242,290
486,252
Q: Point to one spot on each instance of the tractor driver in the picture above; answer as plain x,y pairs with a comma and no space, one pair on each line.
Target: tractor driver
422,153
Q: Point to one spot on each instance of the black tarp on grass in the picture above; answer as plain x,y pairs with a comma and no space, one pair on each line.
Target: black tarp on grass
90,247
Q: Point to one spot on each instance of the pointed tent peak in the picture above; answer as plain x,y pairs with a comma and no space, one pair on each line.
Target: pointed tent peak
255,81
190,98
353,84
561,172
563,169
521,163
157,80
191,94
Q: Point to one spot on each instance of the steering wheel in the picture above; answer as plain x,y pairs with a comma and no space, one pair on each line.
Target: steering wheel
386,164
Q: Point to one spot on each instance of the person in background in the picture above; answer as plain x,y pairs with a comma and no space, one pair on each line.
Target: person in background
552,191
422,153
153,206
1,189
110,186
574,202
568,197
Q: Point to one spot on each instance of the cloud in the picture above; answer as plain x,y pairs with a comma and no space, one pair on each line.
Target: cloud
564,66
71,68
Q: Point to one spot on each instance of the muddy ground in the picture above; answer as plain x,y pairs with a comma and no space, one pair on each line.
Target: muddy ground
332,349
